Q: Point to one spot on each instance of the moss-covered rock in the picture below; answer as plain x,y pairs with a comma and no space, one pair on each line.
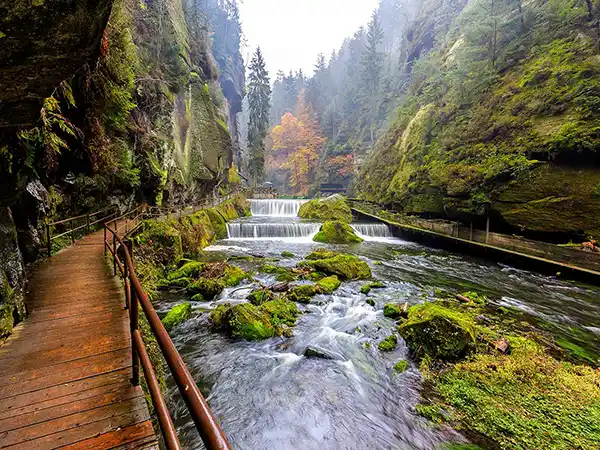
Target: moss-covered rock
190,269
198,298
388,344
321,253
328,284
330,208
177,315
366,289
336,232
345,266
163,240
439,332
287,255
209,288
233,276
260,296
302,293
396,310
253,323
282,273
401,366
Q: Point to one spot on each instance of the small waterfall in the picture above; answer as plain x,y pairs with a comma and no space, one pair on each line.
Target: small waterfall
373,231
243,230
276,207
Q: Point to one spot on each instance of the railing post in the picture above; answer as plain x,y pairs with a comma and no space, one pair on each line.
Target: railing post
487,230
134,325
72,232
87,223
49,240
104,242
114,253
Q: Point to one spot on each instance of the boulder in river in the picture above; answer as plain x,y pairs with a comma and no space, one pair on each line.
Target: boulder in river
302,293
330,208
396,310
317,352
177,315
388,344
336,232
439,332
345,266
328,284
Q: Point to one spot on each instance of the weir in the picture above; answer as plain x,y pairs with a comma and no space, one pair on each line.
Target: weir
373,230
272,230
276,207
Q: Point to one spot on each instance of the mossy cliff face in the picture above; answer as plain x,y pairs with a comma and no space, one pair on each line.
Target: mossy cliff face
511,130
42,43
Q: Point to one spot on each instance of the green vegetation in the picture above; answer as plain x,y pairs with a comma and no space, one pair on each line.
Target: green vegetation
438,331
336,232
395,310
328,284
302,293
287,255
401,366
282,273
177,315
516,395
330,208
260,296
366,288
254,323
345,266
388,344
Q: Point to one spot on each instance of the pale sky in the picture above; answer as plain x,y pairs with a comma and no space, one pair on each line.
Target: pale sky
291,33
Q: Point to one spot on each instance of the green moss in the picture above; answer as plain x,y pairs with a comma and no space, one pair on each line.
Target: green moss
401,366
162,239
197,298
394,310
370,301
331,208
302,293
347,267
282,273
388,344
328,284
438,332
233,276
177,315
336,232
454,446
366,289
218,223
253,323
287,255
431,412
475,297
191,269
207,287
321,253
260,296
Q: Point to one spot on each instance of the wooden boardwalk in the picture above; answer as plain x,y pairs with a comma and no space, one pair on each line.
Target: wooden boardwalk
65,372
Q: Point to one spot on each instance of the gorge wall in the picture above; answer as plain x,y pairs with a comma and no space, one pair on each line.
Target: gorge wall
500,119
108,102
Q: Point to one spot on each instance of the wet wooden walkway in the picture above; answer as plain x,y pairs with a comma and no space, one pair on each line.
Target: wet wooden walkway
65,372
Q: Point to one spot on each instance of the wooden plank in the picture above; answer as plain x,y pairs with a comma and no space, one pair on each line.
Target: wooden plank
105,421
117,394
132,437
32,380
69,322
60,395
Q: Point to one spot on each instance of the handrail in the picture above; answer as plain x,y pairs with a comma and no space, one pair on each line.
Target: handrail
73,228
211,433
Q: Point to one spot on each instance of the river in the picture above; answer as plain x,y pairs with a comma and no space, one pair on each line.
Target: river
268,396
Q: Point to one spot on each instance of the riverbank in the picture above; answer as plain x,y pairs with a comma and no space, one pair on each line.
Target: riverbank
526,256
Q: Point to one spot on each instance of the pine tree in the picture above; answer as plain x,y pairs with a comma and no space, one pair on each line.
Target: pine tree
259,94
372,69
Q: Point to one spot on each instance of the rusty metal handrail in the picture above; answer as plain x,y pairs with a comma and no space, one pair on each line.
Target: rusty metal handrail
73,228
211,433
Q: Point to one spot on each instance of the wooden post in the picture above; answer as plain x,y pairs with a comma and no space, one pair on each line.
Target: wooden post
104,242
487,230
72,232
87,223
49,240
114,247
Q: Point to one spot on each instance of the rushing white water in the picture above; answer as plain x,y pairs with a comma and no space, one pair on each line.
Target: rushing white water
276,207
249,230
373,231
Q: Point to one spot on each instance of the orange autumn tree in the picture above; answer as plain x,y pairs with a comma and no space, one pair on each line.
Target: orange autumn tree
294,148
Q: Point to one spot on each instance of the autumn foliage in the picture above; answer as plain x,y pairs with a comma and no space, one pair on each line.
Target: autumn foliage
294,149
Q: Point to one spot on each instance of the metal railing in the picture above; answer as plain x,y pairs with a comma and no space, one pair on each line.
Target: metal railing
121,249
91,219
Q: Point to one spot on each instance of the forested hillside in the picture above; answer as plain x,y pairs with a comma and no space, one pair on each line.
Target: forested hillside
121,102
455,109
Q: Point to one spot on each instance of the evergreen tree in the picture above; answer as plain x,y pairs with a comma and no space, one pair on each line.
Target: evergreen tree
259,94
372,69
